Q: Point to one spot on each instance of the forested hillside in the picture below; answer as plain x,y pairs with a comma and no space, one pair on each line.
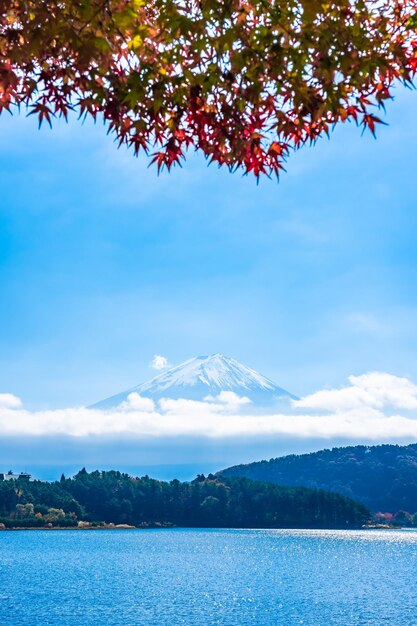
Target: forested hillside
113,497
383,478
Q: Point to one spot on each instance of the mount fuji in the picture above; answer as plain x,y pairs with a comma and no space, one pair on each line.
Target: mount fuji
204,376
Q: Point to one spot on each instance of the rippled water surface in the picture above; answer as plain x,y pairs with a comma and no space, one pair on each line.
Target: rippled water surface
204,577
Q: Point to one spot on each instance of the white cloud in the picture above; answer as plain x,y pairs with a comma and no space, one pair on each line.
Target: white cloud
369,409
182,406
8,400
136,402
159,362
375,389
366,424
225,403
229,398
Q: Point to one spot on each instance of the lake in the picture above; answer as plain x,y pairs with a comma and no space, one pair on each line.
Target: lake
205,577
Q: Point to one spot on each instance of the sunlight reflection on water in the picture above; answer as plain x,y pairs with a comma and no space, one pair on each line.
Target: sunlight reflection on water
205,577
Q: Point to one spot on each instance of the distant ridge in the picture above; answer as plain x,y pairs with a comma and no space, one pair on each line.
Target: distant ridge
383,478
204,376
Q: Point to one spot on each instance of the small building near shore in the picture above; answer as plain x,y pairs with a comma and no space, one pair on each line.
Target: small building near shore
11,476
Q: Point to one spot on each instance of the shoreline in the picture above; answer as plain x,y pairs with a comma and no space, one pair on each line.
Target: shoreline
169,527
104,527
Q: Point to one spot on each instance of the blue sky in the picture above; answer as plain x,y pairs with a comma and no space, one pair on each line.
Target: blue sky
103,264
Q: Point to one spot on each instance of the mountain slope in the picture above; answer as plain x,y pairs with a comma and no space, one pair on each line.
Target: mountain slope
204,376
383,478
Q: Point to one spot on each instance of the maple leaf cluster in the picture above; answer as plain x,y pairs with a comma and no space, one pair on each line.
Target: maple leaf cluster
242,81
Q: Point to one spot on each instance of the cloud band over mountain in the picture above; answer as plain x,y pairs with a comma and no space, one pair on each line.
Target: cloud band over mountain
376,406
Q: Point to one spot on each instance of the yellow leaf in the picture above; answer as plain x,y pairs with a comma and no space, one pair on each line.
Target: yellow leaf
136,43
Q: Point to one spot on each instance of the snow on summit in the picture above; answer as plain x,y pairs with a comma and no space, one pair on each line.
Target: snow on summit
204,376
216,372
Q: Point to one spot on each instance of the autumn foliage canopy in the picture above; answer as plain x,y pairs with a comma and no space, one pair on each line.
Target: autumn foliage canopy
244,81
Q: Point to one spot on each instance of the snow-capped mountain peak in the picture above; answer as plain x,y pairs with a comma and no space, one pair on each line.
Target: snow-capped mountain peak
215,371
202,376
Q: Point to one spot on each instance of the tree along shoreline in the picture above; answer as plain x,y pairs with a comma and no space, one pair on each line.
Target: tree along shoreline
103,499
